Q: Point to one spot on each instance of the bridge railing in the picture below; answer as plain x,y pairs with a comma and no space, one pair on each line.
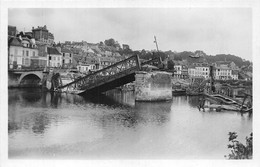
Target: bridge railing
96,78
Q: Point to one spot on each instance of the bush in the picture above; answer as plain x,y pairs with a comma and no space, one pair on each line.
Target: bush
239,150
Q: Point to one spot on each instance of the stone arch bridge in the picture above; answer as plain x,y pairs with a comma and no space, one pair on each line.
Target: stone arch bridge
25,77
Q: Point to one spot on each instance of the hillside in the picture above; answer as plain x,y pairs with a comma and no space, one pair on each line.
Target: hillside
186,55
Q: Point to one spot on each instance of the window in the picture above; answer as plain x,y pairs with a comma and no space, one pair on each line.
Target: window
54,58
27,63
23,52
33,53
27,53
63,54
15,51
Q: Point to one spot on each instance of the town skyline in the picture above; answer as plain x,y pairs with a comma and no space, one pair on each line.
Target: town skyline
198,29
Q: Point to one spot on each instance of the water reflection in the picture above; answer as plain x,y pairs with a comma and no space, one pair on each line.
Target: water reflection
12,127
194,101
40,122
114,124
156,112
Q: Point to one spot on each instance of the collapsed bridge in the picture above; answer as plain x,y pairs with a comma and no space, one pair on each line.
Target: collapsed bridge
108,78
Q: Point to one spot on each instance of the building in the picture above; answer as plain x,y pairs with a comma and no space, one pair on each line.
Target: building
29,50
86,68
181,70
21,52
54,57
15,53
12,31
28,34
50,38
42,35
234,75
40,61
67,57
202,70
67,42
223,73
178,69
126,47
229,64
106,61
199,70
192,71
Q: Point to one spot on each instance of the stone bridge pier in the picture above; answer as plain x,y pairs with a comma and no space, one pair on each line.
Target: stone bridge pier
153,86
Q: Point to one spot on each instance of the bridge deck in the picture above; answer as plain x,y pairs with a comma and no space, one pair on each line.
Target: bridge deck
105,79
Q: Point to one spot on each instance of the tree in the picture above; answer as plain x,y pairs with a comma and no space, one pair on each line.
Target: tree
170,65
239,150
112,42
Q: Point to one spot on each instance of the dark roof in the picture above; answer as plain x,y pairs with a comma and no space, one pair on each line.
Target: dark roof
234,72
13,41
65,50
53,51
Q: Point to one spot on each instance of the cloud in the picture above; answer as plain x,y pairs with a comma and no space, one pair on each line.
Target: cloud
215,30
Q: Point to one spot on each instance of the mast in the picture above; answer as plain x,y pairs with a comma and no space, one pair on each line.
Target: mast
155,41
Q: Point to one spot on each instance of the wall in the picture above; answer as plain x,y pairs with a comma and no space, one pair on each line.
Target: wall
13,80
153,86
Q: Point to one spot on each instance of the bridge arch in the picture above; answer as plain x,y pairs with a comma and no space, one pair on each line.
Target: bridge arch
31,75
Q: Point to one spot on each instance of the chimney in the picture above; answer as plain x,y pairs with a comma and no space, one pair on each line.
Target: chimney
32,28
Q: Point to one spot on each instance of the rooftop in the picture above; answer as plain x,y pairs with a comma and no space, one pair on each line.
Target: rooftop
53,51
65,50
13,41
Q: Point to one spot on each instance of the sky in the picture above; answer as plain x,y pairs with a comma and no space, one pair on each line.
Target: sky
213,30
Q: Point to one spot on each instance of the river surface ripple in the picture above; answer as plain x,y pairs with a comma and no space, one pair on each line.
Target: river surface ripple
62,126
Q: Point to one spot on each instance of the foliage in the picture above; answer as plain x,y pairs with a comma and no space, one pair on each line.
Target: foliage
170,65
222,57
153,55
239,150
187,55
112,42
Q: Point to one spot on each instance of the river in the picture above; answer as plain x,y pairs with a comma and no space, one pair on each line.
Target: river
44,125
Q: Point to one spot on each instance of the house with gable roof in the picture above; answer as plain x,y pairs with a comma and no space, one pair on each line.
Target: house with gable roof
21,52
54,57
67,57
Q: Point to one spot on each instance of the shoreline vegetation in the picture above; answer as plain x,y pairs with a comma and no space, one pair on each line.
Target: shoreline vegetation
238,149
